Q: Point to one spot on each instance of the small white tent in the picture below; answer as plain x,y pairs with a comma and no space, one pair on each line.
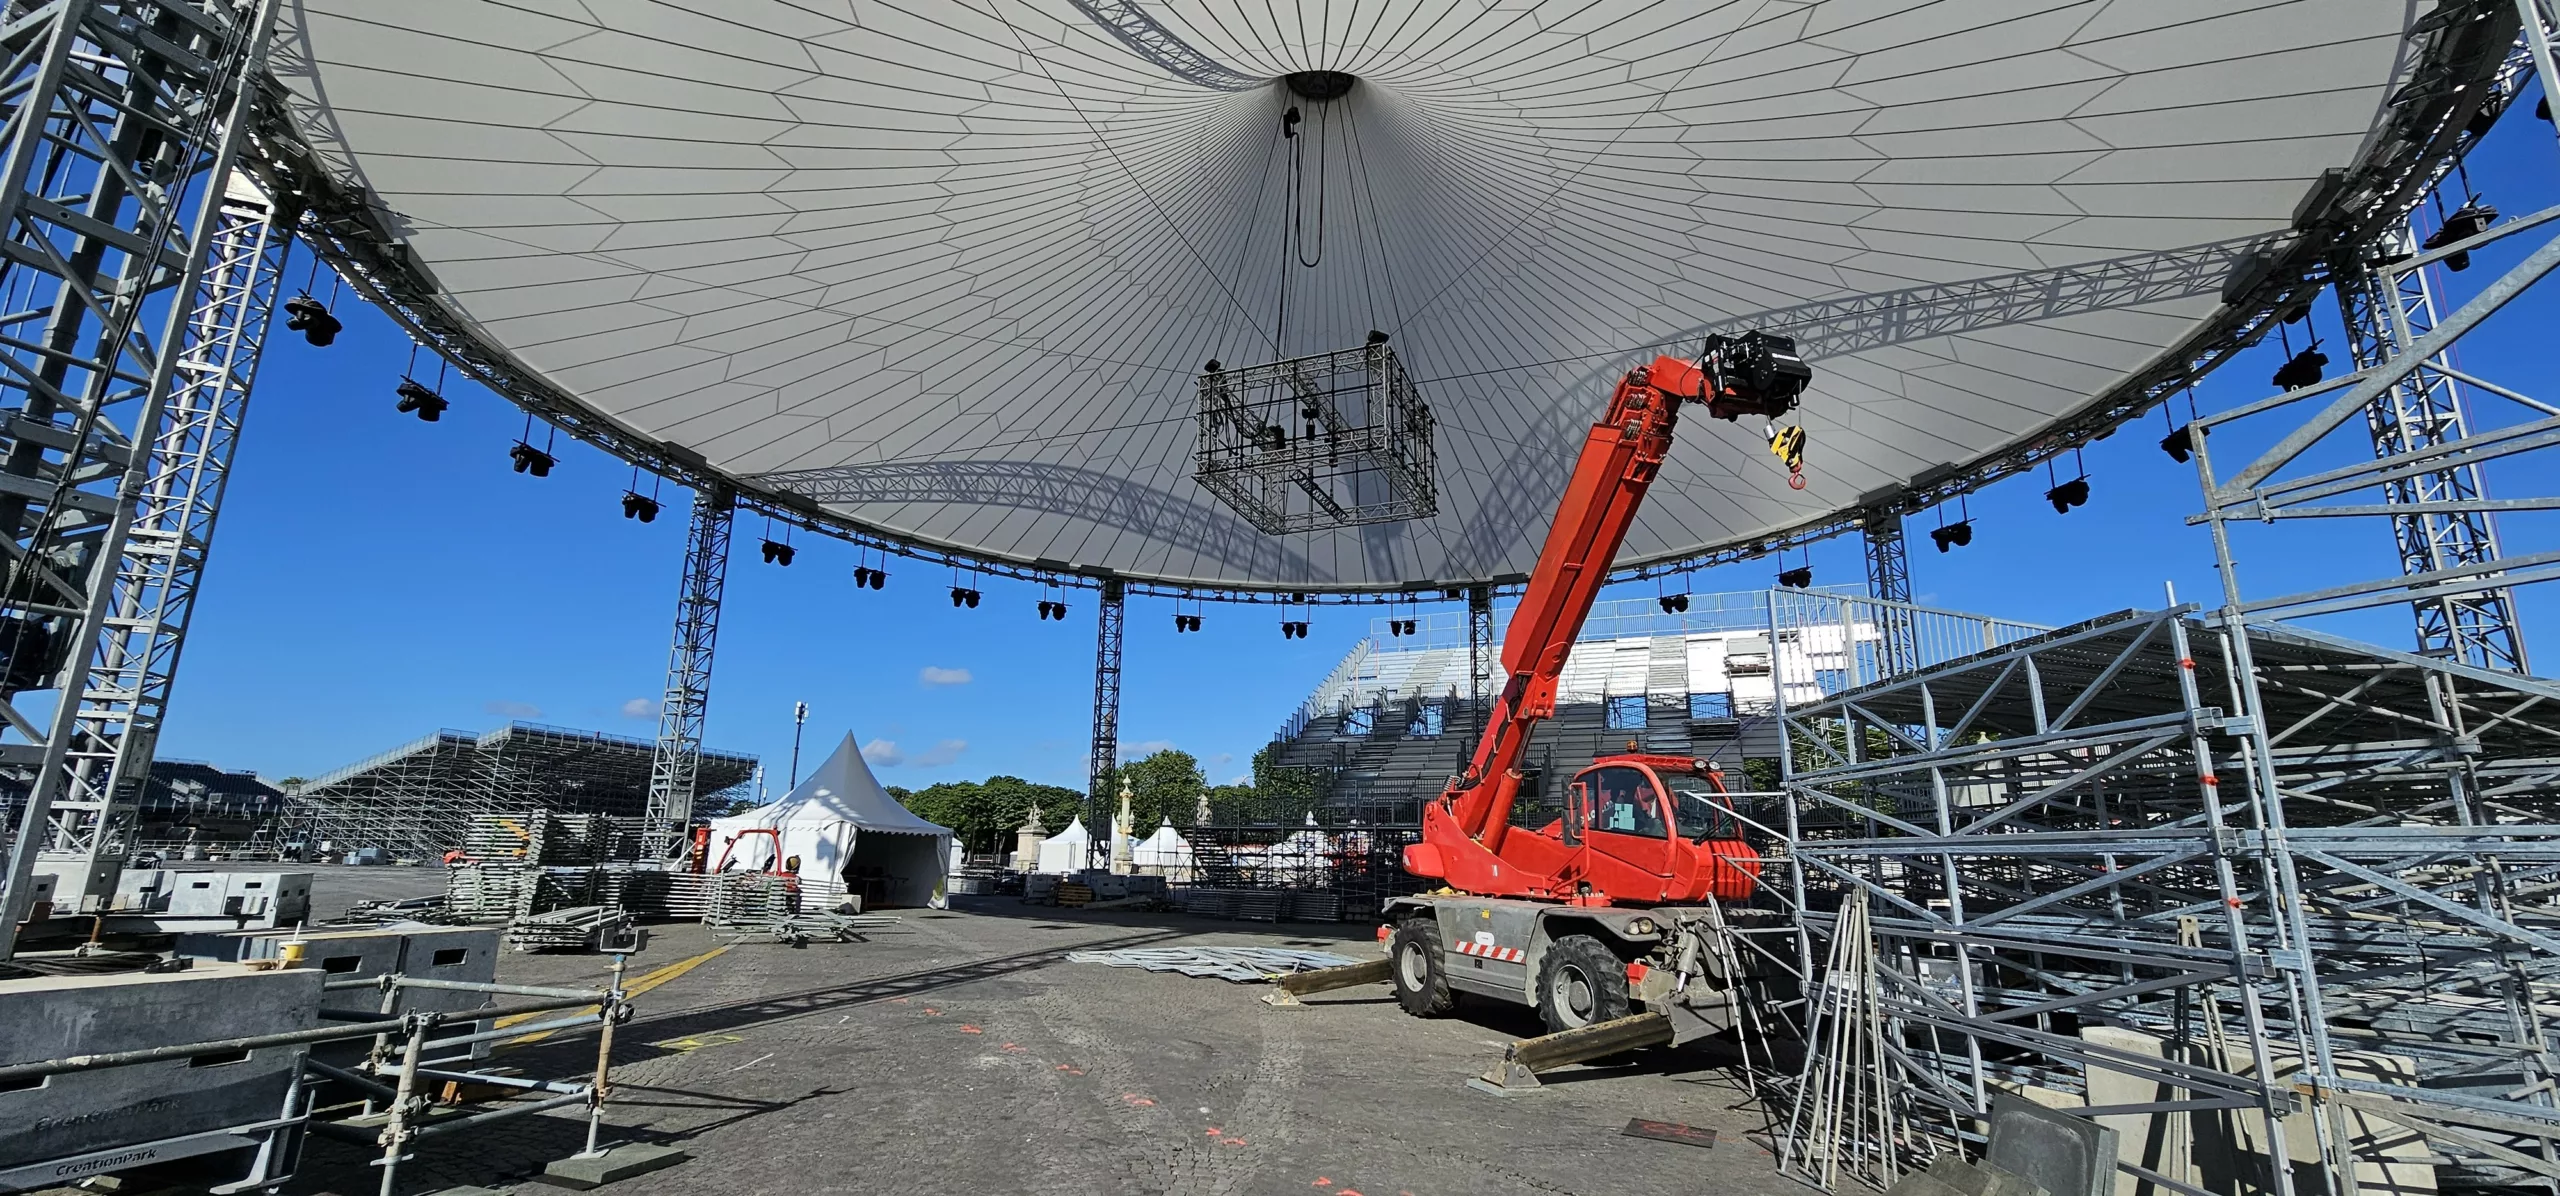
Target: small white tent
846,830
1067,851
1165,853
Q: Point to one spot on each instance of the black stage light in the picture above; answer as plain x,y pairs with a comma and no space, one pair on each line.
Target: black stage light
1953,535
778,553
2465,222
1293,630
868,578
1796,579
414,396
531,460
1186,623
961,596
311,318
1664,602
2302,370
2180,444
636,505
1412,627
2068,495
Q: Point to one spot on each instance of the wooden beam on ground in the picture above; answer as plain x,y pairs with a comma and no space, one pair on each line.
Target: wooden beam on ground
1524,1059
1287,989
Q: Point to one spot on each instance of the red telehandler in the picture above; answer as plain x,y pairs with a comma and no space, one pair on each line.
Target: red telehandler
1604,919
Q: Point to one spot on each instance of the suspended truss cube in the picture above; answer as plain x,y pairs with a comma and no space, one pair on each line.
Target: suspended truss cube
1313,443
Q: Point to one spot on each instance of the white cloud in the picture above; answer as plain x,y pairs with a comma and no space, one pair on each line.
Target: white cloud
641,708
1140,751
885,753
1246,779
507,709
1223,758
933,675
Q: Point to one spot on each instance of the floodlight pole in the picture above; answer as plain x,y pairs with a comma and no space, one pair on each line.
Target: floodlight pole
675,769
1109,625
799,720
125,123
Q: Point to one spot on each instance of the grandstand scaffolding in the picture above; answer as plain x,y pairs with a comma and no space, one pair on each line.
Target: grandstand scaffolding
417,800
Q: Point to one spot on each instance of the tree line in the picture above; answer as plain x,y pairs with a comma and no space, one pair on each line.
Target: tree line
1165,786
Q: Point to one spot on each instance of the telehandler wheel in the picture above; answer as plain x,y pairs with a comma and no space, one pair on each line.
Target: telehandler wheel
1420,973
1581,982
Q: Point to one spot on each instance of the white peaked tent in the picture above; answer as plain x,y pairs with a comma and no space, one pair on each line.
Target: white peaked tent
846,829
1165,853
1068,850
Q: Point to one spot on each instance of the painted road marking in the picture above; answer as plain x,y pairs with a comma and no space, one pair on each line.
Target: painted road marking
632,989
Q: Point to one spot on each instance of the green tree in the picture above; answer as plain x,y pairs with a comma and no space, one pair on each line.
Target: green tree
1164,786
983,815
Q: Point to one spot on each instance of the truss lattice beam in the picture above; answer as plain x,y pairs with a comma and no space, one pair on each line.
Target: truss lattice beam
675,770
126,119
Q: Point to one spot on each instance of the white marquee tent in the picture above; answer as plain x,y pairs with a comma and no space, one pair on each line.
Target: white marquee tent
1068,850
1165,853
846,829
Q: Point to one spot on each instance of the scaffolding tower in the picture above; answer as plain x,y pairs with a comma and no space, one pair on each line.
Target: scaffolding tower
2275,904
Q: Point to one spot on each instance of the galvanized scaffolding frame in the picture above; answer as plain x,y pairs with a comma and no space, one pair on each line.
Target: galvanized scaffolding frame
2244,889
417,800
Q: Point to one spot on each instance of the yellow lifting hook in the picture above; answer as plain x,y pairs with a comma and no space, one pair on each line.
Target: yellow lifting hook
1788,445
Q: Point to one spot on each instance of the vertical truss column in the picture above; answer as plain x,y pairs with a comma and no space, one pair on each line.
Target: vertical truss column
673,771
1889,578
2424,411
125,120
154,590
1480,661
1110,624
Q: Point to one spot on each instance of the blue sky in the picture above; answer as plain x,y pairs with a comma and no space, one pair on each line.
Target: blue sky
374,578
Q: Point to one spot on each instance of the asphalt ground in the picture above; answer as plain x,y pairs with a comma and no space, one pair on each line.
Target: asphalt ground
958,1053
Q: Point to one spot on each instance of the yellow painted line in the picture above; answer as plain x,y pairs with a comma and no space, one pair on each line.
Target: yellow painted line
698,1042
632,989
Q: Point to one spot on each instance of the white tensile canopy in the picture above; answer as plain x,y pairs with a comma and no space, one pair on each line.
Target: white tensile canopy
846,829
784,236
1164,853
1068,850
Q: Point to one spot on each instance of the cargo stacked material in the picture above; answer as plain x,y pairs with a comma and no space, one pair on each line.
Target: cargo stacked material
490,891
743,897
578,928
